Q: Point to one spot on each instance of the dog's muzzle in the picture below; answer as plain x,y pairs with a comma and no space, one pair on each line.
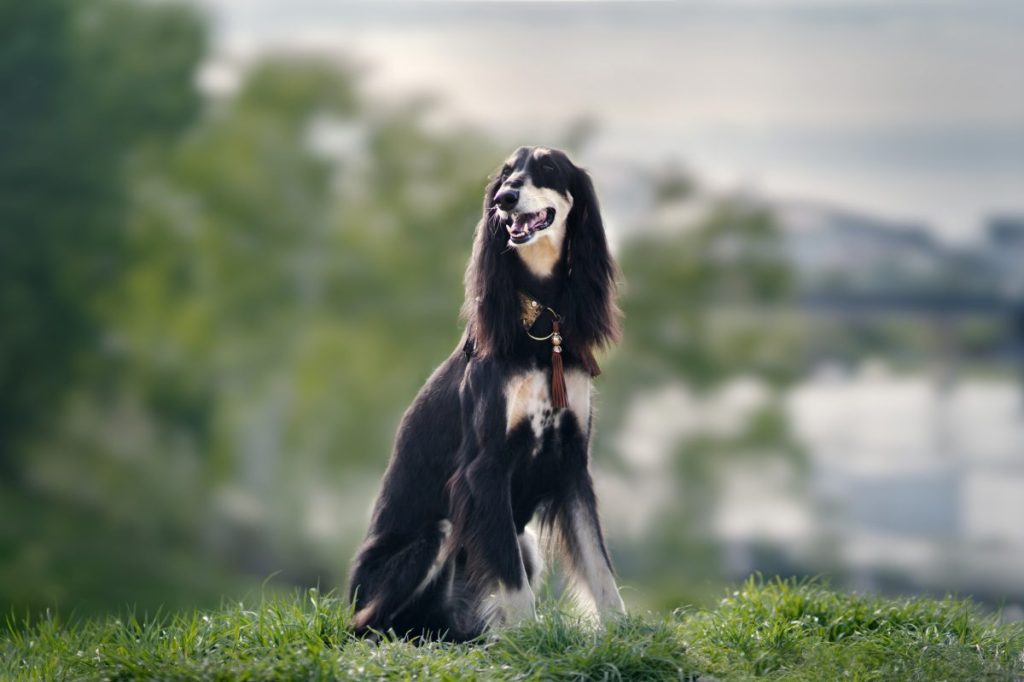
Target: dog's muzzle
523,226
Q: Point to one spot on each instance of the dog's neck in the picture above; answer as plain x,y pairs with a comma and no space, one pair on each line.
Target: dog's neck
541,256
545,286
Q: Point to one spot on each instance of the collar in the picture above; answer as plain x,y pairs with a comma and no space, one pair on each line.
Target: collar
530,310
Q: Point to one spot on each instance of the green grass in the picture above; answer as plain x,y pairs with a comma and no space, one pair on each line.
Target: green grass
773,630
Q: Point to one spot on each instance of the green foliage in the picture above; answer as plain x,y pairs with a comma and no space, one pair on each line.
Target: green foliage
275,281
696,300
704,303
778,630
222,322
72,114
214,311
60,551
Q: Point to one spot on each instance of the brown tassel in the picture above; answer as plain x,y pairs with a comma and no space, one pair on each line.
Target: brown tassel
559,398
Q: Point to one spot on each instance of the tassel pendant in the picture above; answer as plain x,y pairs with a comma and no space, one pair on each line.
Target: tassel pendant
559,397
530,310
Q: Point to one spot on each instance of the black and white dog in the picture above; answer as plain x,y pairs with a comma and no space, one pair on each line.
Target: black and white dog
500,432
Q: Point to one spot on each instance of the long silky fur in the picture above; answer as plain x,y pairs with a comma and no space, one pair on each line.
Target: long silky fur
455,456
590,318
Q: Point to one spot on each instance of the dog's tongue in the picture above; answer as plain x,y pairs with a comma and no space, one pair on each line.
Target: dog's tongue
527,222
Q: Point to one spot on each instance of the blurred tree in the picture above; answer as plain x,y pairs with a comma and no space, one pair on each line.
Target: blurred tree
88,91
697,296
704,295
204,316
296,272
212,316
85,86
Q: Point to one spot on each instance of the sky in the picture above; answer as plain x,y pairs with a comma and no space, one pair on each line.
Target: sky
908,110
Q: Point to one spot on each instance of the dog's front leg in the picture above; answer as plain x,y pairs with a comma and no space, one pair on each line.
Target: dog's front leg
493,548
587,555
481,501
581,537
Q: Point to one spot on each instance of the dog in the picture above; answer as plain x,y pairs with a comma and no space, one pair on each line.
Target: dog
500,432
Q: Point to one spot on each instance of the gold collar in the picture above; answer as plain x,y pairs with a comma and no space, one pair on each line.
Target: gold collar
530,310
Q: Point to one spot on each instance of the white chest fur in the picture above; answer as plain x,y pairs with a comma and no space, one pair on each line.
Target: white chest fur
528,397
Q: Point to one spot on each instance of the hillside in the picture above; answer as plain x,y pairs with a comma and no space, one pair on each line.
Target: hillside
776,630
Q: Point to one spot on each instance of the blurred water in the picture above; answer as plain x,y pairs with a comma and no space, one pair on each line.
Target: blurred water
908,482
923,478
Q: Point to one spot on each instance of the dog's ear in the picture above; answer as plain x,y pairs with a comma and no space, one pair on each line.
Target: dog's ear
490,308
591,316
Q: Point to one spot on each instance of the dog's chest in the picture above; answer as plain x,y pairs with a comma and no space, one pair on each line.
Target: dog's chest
528,399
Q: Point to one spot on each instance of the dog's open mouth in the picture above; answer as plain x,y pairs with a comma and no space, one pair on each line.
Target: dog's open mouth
523,226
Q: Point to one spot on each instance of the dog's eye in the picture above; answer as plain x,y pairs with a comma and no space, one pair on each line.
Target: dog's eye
505,171
548,168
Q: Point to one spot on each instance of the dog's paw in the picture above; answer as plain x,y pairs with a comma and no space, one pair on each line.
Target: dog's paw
509,607
613,607
520,605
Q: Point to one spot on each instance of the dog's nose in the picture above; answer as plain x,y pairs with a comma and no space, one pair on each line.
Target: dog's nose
507,199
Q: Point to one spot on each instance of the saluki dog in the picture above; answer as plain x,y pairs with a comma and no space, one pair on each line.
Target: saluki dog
500,433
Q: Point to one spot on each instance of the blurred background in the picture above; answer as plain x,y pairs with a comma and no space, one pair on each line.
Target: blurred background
232,236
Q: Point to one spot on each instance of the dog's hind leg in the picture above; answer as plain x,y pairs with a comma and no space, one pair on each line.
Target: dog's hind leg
392,572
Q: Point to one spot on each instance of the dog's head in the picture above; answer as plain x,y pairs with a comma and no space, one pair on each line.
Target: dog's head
541,212
532,196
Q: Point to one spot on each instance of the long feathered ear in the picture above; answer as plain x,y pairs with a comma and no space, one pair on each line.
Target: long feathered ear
491,309
591,315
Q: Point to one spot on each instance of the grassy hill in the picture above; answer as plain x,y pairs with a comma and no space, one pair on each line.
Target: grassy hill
777,630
